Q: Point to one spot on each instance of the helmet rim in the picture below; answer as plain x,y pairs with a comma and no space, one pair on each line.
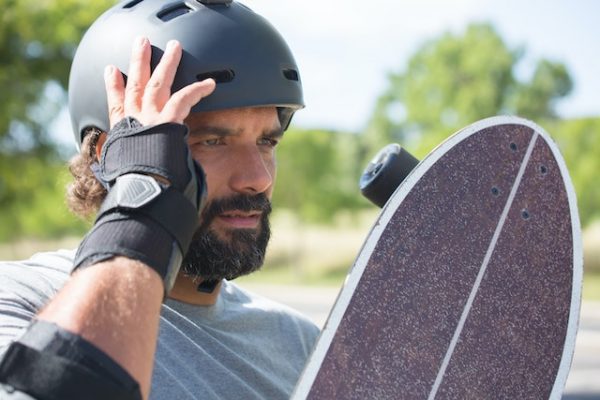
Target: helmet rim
226,36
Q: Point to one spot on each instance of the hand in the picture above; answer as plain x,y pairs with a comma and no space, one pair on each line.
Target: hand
148,98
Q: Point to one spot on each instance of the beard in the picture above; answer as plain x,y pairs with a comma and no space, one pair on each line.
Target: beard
242,252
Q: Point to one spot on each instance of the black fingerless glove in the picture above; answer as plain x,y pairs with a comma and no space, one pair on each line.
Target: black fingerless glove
141,218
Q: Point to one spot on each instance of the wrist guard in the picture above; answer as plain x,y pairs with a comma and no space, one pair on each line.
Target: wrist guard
141,218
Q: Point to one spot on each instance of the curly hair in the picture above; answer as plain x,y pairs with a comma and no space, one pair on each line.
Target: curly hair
85,194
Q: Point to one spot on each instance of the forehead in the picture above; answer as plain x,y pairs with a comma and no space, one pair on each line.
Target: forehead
238,119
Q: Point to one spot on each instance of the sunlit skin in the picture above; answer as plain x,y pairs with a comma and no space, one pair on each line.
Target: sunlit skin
115,304
236,149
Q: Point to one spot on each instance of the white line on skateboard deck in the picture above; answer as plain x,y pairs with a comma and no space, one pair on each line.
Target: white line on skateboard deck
312,370
486,260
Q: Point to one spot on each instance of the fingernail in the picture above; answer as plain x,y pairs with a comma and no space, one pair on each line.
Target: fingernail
171,44
140,41
108,70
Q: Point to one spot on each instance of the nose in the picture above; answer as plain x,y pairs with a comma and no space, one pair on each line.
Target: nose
252,172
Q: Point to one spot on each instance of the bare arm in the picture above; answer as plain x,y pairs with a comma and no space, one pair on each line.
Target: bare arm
115,304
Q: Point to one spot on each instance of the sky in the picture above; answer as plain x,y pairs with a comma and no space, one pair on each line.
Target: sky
346,48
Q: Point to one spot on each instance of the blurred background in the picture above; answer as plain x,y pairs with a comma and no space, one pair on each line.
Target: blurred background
376,72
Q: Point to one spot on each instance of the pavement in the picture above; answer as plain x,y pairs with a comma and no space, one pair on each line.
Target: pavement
583,382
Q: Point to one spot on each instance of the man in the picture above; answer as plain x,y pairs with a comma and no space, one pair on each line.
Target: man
120,318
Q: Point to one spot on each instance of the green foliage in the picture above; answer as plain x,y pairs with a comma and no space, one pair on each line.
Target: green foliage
579,143
37,43
455,80
318,173
449,82
536,99
32,199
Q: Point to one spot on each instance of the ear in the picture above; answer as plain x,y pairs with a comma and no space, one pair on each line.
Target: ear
100,144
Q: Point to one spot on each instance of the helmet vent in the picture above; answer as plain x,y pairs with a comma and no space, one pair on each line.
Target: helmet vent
132,4
291,74
173,12
223,76
211,2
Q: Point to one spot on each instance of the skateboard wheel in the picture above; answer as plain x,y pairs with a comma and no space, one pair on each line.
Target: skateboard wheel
386,171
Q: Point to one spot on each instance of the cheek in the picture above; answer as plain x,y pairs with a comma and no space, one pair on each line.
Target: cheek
274,168
271,166
214,178
212,173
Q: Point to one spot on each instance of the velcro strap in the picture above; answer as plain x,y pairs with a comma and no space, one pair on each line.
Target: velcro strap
135,236
71,374
135,193
139,219
161,150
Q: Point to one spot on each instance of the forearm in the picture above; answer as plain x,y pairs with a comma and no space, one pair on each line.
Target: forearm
129,260
117,310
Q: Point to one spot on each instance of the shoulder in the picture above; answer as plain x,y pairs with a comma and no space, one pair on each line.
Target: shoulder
278,315
26,286
250,300
42,275
55,265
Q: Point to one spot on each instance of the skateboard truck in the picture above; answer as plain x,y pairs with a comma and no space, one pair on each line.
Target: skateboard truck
386,171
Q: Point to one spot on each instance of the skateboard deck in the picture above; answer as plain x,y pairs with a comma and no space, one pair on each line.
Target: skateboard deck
468,285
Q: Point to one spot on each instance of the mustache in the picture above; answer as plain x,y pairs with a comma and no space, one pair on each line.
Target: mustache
240,202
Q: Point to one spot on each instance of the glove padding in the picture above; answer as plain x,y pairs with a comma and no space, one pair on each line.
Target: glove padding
141,218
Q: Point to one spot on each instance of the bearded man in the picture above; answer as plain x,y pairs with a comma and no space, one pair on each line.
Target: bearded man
177,110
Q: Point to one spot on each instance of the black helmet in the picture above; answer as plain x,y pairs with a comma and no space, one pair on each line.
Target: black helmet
221,39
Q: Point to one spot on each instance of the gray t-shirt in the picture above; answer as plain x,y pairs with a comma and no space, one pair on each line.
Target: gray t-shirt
243,347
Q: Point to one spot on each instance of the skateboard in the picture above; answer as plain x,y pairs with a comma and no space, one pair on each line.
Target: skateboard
468,285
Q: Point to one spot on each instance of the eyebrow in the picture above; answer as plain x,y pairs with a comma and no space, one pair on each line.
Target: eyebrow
211,130
204,130
275,133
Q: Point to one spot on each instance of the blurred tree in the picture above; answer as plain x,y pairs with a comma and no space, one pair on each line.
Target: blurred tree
317,174
579,143
37,43
32,193
455,80
535,99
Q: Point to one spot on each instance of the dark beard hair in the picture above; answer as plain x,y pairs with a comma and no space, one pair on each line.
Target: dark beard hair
243,252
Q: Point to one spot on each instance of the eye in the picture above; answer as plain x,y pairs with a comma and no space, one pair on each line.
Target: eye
211,142
268,141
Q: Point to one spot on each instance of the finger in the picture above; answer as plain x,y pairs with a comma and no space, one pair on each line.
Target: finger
115,94
138,75
158,89
181,102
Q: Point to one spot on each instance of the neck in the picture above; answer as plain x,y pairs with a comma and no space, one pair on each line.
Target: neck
186,290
